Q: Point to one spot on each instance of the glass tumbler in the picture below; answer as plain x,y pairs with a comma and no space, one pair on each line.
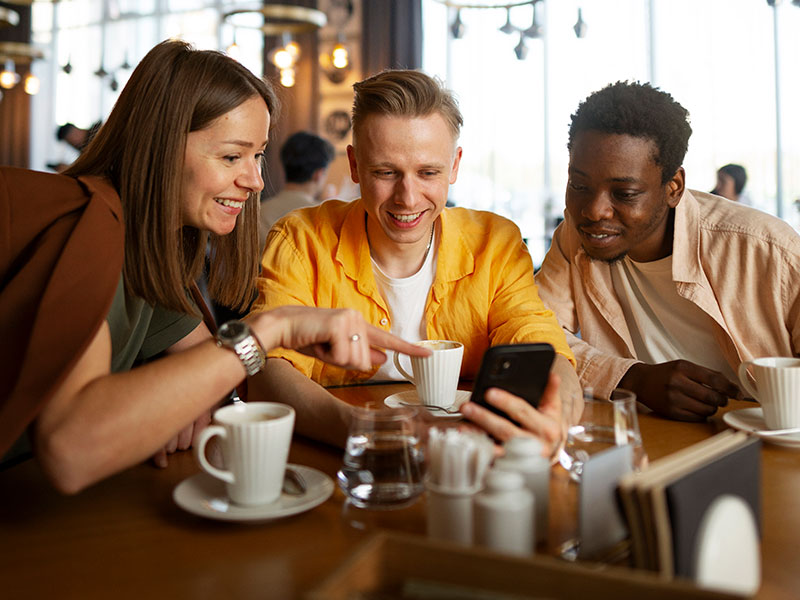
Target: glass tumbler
383,458
603,424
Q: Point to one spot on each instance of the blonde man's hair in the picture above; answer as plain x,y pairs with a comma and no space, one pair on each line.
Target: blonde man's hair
405,93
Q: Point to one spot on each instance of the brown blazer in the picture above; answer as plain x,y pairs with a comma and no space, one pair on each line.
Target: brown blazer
61,252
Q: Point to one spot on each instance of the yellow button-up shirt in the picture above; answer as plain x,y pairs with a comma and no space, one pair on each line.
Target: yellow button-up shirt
483,293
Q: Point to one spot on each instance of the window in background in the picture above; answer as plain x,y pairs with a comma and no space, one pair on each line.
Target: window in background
81,36
715,57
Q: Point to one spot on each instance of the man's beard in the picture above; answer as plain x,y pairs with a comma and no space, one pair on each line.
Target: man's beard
608,261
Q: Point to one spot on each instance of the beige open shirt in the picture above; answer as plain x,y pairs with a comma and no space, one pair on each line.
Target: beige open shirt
738,264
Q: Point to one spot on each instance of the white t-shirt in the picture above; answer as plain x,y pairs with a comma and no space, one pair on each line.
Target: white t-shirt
406,298
663,325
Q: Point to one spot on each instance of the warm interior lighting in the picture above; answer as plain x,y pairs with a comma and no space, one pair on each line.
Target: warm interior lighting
287,77
234,52
339,56
282,59
8,76
32,84
293,48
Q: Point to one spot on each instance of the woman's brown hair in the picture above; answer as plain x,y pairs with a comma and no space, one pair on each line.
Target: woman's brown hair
140,149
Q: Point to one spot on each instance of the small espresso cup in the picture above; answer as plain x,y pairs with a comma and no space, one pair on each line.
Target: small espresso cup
255,440
435,376
777,388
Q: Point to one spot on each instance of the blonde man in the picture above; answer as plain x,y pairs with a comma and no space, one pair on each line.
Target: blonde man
408,264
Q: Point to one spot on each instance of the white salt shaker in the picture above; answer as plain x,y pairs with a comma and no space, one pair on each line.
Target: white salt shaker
524,455
503,514
449,513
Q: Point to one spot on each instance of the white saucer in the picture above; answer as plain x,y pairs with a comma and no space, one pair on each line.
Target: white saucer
410,397
204,495
752,421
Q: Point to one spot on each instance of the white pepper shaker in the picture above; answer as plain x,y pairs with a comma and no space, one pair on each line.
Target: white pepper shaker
503,514
449,513
524,455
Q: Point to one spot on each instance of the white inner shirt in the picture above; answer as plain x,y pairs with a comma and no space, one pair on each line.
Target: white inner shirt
663,325
406,298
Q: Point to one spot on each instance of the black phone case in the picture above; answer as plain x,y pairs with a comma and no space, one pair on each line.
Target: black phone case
522,369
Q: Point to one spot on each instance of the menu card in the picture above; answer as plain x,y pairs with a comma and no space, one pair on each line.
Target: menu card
664,505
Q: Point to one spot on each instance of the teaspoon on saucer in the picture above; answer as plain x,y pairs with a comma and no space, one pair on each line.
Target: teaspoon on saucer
769,432
450,410
293,483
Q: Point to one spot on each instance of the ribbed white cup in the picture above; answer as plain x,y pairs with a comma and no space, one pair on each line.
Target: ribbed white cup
255,446
435,376
777,388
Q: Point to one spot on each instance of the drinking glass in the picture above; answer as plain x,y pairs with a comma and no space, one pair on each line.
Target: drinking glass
603,424
383,458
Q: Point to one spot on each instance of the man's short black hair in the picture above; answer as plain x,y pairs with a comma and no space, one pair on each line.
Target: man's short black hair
639,110
303,154
64,130
738,174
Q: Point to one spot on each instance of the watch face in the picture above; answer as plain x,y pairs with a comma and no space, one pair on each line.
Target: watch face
234,331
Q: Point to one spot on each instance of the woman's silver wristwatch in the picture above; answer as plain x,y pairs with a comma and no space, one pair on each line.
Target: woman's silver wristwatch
237,336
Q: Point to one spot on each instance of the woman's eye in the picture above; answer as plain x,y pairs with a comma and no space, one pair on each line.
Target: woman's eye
230,159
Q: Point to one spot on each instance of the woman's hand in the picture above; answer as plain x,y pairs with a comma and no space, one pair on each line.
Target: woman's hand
338,336
184,440
544,423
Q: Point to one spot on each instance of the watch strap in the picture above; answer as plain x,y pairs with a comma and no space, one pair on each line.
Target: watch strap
249,351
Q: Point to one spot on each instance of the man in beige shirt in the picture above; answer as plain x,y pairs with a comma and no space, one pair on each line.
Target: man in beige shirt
663,290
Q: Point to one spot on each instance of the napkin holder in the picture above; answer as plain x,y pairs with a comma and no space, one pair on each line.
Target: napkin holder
672,508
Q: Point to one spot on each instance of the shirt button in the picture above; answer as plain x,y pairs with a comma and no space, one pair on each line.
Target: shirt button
384,321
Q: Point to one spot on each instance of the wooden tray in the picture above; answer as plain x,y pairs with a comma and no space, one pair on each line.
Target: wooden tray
391,565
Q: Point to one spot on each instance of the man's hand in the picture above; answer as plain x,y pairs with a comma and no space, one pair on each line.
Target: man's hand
544,423
680,389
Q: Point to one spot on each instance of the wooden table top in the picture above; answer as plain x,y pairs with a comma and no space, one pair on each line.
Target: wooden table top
125,536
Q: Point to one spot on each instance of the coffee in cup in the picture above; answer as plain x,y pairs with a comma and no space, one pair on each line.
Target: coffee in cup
435,376
777,388
255,440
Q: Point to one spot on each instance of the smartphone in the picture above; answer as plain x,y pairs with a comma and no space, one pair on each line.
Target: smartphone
522,369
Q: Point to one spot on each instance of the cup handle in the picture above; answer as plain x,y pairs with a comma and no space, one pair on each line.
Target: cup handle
745,381
400,368
200,452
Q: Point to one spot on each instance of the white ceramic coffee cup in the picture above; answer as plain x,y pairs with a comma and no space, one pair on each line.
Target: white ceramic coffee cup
255,440
777,388
435,376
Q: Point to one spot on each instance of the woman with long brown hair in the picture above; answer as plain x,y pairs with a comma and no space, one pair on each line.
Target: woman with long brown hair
104,355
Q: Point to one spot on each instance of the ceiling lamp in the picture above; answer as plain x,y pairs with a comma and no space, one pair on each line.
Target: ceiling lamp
32,84
509,27
340,58
521,49
12,55
9,76
535,30
458,29
580,26
281,20
8,17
